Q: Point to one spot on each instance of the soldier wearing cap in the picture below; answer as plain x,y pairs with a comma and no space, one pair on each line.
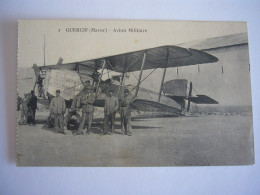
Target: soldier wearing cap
111,106
126,112
58,108
24,110
87,100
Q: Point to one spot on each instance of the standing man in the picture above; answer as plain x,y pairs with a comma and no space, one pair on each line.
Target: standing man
40,87
126,112
58,108
111,106
33,106
24,110
87,101
19,102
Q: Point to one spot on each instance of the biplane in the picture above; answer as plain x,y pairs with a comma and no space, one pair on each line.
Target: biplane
174,96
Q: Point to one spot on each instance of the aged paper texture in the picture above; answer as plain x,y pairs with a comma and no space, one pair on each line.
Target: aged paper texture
133,93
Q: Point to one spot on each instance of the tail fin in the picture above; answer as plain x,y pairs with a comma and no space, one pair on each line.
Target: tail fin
178,91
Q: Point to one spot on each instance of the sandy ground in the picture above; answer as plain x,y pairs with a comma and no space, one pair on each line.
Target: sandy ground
183,141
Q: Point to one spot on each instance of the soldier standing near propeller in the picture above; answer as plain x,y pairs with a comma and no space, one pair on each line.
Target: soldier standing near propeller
111,106
126,112
58,108
87,100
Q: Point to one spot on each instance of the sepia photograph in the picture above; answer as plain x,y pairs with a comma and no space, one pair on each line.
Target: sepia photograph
125,93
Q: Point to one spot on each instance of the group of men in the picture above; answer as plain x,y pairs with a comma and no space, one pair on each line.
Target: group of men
28,106
86,101
111,107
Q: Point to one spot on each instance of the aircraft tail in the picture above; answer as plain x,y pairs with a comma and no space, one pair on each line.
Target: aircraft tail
180,90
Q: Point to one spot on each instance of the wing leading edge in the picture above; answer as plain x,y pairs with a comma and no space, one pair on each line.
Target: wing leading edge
155,58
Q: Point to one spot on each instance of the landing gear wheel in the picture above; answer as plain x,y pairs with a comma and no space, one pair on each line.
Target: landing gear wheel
72,120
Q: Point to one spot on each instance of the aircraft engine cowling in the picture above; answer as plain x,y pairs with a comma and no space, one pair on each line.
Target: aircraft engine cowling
68,82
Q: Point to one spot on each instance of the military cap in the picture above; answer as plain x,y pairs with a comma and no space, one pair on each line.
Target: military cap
57,91
126,91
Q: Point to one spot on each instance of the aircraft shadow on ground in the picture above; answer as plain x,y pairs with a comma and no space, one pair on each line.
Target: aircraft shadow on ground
97,126
152,116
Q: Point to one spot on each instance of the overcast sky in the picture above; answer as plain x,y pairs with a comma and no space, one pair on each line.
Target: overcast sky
80,46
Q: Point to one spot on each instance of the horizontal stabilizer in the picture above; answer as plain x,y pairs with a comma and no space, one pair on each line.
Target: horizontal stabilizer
199,99
202,99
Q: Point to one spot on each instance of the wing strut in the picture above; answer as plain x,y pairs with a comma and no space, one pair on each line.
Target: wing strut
103,67
190,93
140,75
122,78
164,72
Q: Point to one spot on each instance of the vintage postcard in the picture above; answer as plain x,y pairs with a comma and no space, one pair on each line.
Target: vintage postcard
133,93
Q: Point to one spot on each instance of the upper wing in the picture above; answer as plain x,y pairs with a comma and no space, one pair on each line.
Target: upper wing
157,58
131,61
88,66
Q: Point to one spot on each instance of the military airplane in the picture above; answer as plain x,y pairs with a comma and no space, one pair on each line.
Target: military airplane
174,96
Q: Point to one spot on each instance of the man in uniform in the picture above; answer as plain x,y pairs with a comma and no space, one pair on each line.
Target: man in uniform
40,87
126,112
33,106
111,106
87,100
58,108
24,110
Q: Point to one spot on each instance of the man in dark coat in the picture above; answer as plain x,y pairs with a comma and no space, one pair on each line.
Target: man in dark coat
33,106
